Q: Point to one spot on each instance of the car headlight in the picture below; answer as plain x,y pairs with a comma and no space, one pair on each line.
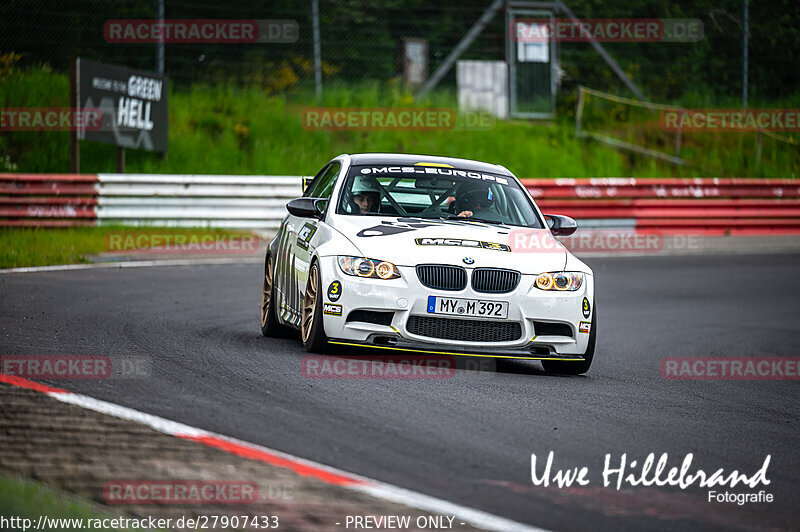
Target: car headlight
364,267
562,281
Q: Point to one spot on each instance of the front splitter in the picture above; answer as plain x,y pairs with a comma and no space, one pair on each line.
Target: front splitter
417,347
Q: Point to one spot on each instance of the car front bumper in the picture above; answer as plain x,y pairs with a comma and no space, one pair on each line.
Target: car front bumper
406,296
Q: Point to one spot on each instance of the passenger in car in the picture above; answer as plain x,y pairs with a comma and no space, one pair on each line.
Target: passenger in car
475,200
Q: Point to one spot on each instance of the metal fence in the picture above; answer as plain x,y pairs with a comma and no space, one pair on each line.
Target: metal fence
359,42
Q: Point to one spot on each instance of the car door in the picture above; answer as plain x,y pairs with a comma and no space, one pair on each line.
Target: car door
295,249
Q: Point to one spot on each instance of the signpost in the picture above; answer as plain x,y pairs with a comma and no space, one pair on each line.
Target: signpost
414,61
133,104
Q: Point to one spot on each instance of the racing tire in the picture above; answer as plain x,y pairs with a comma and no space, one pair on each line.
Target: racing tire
270,326
576,368
312,329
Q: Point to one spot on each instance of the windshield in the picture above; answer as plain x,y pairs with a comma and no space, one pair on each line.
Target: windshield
435,192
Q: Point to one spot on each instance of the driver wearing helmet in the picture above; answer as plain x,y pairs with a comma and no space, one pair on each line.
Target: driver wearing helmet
366,194
475,199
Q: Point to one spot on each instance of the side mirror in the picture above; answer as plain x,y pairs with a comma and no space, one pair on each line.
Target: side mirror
305,207
561,225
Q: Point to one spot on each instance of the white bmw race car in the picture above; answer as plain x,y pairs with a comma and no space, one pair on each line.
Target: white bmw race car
428,254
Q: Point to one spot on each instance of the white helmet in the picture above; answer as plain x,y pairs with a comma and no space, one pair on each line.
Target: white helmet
364,184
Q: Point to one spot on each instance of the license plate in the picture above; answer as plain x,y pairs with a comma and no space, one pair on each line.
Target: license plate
467,307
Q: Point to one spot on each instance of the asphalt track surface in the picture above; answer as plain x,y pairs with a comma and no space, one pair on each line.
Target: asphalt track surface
467,439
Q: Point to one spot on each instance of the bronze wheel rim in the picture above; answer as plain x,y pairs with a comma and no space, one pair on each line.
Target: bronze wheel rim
309,303
266,296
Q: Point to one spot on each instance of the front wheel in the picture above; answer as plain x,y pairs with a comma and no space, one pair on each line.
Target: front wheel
576,368
312,330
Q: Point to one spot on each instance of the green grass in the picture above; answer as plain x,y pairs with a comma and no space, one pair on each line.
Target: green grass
29,500
41,246
230,129
711,154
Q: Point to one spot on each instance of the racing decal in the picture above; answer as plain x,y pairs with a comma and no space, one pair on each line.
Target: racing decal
281,260
383,230
584,327
587,309
285,280
335,291
301,265
290,315
495,246
405,224
305,234
294,291
440,165
420,222
462,243
395,228
331,309
433,170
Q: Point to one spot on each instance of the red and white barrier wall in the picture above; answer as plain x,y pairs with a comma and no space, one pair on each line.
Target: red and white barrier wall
700,206
257,202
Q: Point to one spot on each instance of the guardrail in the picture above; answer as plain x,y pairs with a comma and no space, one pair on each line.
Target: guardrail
697,206
232,201
707,206
47,199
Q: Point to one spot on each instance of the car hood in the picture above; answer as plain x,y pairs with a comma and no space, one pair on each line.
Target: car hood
411,241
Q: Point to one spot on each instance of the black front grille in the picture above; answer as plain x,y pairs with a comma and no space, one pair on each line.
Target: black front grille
464,330
494,280
546,328
442,277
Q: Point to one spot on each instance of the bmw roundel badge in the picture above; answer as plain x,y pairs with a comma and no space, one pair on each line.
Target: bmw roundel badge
468,260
